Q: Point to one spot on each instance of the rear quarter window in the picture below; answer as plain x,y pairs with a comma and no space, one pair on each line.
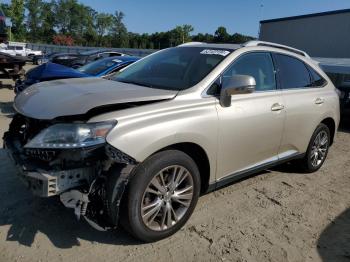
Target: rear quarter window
292,72
316,79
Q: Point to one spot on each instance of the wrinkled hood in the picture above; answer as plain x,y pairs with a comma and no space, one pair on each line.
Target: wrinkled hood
50,71
68,97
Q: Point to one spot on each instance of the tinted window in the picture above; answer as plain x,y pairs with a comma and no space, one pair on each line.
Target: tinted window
113,54
293,72
257,65
98,66
92,58
317,80
174,68
104,55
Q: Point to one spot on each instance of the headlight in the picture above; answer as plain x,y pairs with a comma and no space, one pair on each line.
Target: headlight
72,135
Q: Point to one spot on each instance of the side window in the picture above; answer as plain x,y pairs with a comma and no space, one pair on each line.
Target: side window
317,80
113,54
258,65
292,72
104,55
92,58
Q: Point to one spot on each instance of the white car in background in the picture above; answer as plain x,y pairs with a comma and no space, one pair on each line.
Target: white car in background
18,49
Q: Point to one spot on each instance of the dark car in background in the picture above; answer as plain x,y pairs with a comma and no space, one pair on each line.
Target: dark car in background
108,66
79,59
43,58
51,71
65,59
342,82
11,66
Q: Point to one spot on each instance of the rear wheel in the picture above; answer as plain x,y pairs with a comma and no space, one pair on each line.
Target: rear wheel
317,150
162,195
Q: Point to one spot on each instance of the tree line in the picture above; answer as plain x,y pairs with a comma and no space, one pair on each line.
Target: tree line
68,22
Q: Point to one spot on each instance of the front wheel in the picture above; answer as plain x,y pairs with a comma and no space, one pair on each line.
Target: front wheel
162,195
317,150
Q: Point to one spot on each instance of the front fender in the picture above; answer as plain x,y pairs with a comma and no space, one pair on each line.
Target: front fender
144,134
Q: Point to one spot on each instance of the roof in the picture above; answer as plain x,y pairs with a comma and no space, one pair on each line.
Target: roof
342,11
212,45
120,58
97,51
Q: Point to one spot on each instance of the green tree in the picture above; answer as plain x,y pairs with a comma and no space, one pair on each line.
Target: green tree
104,24
34,8
240,39
47,18
186,30
16,13
119,31
221,35
67,16
6,9
207,38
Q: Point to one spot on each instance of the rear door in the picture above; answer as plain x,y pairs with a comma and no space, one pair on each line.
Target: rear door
303,98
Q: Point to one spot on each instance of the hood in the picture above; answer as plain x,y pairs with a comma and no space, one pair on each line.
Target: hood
50,71
69,97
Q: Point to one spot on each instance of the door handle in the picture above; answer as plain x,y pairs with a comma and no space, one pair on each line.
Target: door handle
277,107
319,101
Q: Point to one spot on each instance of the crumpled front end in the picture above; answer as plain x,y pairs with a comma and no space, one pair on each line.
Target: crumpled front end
77,175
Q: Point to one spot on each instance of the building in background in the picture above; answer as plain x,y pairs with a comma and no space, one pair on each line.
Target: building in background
324,36
320,35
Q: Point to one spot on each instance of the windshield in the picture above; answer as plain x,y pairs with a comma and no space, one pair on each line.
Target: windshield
174,68
98,66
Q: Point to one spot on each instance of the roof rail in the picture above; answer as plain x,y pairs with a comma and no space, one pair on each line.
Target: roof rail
269,44
192,43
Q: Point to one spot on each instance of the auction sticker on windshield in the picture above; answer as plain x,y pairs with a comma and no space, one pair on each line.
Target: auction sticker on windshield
215,52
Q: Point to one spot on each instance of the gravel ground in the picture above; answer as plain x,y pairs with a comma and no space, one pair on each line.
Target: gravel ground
278,215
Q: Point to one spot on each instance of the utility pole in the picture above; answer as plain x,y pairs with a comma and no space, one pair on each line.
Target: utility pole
260,17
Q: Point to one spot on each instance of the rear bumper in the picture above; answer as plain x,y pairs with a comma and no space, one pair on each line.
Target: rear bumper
42,182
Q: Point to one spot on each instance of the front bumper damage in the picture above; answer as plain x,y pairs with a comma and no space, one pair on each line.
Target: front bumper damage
78,176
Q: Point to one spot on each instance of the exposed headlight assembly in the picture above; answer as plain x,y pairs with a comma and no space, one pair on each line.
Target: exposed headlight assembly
72,135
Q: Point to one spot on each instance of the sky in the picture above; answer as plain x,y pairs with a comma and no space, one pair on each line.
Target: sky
242,16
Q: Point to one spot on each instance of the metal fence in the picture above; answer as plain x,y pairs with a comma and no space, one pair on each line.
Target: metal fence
74,49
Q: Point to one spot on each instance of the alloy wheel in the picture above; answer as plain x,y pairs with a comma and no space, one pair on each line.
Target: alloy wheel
167,198
319,149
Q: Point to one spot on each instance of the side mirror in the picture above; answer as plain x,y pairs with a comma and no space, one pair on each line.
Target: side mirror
237,84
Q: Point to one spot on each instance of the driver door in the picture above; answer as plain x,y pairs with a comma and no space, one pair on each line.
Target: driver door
250,130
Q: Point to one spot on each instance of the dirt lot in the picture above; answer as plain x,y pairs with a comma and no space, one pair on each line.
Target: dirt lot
279,215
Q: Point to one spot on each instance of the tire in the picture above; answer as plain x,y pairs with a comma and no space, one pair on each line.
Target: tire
313,161
141,206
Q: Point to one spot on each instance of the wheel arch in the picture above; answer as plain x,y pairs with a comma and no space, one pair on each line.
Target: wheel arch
199,156
330,123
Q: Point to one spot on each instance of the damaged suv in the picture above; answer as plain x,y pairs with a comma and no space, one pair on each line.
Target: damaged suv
178,123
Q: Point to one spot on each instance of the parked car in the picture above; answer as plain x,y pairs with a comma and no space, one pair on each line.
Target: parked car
43,58
49,71
76,60
11,66
19,49
65,59
342,83
175,124
107,67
